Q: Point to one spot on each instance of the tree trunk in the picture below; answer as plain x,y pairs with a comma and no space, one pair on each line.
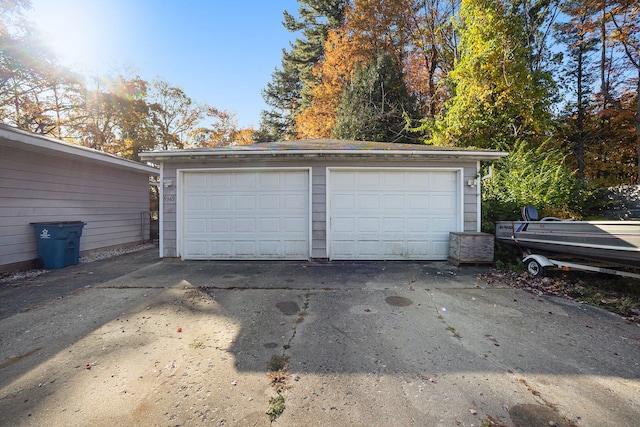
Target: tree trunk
637,122
580,124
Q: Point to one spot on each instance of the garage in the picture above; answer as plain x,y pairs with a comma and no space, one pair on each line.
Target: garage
392,214
318,200
245,214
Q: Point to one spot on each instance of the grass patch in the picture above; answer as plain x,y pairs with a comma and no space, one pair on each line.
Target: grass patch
278,363
455,333
278,375
276,407
279,381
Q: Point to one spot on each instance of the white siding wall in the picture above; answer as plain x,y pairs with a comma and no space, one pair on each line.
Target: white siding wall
318,195
40,188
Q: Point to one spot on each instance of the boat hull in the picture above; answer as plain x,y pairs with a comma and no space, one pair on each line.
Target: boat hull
617,241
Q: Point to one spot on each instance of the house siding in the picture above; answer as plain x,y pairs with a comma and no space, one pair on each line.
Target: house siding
40,187
318,190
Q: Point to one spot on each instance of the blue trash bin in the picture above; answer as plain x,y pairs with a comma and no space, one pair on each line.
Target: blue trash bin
58,242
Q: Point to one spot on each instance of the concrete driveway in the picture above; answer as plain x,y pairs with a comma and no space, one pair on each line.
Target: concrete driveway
138,341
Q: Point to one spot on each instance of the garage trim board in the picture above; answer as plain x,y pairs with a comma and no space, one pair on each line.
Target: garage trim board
244,213
392,213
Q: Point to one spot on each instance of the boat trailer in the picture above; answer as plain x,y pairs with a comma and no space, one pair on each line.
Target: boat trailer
537,264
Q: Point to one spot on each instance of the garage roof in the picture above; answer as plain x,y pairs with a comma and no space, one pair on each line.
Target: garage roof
325,147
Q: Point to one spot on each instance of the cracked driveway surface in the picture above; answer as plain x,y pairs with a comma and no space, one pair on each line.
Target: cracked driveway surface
135,341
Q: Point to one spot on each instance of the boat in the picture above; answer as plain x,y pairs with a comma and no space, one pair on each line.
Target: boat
616,242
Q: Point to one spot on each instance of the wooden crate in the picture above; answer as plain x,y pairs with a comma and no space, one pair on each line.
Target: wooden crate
470,248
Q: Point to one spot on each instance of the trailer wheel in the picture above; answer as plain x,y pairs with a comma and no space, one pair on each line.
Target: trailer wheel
534,268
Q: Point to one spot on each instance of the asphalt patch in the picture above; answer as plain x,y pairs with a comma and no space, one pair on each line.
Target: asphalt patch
288,307
397,301
532,415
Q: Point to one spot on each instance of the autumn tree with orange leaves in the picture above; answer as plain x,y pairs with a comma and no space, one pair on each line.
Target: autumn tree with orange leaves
371,28
344,52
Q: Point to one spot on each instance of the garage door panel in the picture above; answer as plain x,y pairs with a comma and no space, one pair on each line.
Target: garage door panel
393,201
368,202
196,248
343,201
393,225
295,201
197,225
294,247
368,180
368,247
417,201
296,180
268,181
247,215
270,202
294,225
443,202
419,248
219,248
268,247
368,225
393,247
441,248
245,248
219,203
198,203
393,180
269,225
220,225
196,181
392,214
442,225
341,248
244,181
215,182
416,181
440,181
245,203
343,225
418,225
245,225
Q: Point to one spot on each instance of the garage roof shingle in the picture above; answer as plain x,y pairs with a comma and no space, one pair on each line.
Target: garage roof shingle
327,147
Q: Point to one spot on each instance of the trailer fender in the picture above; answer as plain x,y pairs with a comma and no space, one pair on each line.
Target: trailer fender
540,259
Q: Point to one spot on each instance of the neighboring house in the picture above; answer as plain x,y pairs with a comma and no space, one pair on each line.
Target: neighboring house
44,180
317,199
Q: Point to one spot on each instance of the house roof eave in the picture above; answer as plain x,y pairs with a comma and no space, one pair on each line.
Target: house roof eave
38,143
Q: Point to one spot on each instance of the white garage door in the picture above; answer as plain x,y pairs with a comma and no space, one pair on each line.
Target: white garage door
260,214
392,214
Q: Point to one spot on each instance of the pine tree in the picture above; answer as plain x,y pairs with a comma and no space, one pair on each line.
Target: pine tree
374,104
285,94
576,34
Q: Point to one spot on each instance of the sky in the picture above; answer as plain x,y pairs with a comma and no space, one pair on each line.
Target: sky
220,52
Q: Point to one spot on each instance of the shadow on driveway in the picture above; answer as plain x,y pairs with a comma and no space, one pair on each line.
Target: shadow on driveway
415,343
